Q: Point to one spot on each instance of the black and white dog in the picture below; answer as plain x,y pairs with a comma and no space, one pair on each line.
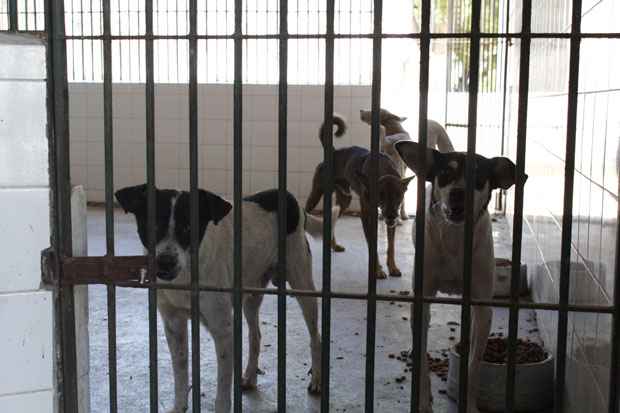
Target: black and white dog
444,243
259,260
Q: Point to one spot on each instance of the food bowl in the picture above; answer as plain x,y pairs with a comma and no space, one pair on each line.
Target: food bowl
533,384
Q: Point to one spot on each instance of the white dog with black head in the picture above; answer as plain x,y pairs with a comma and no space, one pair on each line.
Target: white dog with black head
259,264
444,244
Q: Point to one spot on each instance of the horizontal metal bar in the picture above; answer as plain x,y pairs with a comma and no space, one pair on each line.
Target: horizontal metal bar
336,36
600,309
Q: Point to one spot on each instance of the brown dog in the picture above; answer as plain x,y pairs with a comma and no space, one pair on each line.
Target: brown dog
350,172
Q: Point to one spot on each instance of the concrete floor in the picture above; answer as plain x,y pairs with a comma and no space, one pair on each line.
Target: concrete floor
348,333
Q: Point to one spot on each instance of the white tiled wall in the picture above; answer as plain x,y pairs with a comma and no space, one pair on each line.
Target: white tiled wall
26,343
215,130
595,197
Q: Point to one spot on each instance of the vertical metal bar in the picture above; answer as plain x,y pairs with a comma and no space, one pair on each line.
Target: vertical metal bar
371,305
237,200
513,320
109,197
36,15
282,170
567,217
194,202
418,280
474,65
450,47
58,102
328,187
500,194
13,15
151,204
614,364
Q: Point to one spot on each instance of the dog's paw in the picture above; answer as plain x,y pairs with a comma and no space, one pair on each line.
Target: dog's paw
395,272
380,274
177,409
315,382
338,248
404,217
314,387
248,384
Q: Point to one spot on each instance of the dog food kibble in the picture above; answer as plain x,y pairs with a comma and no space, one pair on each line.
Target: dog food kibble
453,323
391,356
403,292
405,318
442,391
497,351
452,329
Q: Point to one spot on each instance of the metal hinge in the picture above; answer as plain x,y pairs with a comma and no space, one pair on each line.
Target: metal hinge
57,270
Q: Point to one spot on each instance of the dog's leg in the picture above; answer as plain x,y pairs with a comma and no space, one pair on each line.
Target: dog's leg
175,328
316,192
299,274
425,383
391,263
313,198
481,326
403,211
216,312
365,216
343,200
251,307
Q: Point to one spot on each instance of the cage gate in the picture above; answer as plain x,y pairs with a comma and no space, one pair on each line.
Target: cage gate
63,271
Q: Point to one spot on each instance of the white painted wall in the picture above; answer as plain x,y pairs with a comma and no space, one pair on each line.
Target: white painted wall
215,114
26,316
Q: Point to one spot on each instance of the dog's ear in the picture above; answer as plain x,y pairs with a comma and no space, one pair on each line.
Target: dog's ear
212,207
132,198
503,173
402,118
409,152
405,181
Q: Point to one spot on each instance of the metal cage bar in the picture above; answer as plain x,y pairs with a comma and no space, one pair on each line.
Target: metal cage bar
237,200
58,129
328,188
13,15
282,212
109,200
474,64
371,304
513,320
151,204
418,358
194,205
567,215
344,36
614,371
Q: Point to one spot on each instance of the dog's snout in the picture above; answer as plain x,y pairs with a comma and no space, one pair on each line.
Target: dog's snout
166,262
457,196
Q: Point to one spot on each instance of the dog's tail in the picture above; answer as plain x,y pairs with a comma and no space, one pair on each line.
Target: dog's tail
314,225
339,122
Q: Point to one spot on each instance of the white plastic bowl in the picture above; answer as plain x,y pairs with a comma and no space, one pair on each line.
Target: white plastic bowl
533,385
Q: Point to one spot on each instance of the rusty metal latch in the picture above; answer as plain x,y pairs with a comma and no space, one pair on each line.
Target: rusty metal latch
57,270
